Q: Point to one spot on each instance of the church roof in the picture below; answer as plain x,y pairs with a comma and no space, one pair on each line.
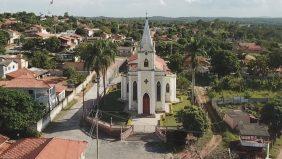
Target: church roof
147,42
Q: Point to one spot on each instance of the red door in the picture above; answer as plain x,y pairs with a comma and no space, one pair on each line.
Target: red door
146,104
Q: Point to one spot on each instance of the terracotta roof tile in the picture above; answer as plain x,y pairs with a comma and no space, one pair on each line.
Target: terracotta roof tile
26,148
3,139
21,73
63,149
45,148
25,83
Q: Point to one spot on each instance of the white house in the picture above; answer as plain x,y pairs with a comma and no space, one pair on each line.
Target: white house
149,84
7,66
14,35
22,62
41,91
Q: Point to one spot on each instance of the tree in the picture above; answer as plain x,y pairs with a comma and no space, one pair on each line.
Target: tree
80,31
224,63
42,60
98,56
4,37
74,77
18,111
53,44
271,114
258,67
195,48
193,119
182,83
176,62
275,59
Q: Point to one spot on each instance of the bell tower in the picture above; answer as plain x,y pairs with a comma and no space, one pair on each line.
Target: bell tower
146,54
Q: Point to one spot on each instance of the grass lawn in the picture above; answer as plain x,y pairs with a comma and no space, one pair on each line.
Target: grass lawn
252,94
275,149
112,108
169,119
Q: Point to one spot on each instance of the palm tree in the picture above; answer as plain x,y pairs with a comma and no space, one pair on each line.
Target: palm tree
98,56
109,51
195,48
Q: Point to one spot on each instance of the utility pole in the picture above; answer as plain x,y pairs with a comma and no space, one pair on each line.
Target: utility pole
83,107
96,116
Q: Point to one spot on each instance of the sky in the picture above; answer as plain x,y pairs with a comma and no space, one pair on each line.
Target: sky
138,8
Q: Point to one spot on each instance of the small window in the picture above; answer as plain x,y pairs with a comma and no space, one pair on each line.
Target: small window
158,91
134,91
167,88
146,63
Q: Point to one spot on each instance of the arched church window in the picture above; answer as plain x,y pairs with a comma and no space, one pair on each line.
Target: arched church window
167,88
127,88
134,91
158,91
146,63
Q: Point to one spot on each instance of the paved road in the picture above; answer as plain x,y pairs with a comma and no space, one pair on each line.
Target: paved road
67,126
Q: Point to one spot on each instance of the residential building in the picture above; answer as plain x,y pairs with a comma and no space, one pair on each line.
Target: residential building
36,29
14,36
41,73
89,31
149,86
250,47
125,51
45,148
235,117
69,42
78,66
7,66
21,73
22,62
254,141
38,89
8,23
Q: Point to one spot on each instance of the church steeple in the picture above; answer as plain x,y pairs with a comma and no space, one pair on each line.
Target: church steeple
147,41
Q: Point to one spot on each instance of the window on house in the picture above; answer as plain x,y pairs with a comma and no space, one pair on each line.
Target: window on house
134,91
30,92
158,91
167,88
146,63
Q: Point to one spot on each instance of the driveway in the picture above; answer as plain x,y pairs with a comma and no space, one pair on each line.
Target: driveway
67,126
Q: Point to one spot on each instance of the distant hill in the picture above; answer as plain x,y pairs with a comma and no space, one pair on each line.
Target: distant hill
255,20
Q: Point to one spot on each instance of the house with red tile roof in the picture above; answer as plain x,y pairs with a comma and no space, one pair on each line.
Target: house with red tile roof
250,47
149,85
45,148
41,91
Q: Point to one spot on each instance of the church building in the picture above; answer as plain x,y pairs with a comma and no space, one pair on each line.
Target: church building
149,86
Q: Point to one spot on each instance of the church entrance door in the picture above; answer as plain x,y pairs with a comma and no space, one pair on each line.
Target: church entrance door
146,104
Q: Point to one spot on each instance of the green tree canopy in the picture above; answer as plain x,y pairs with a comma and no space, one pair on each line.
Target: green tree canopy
18,111
193,119
271,114
53,44
224,63
41,59
275,59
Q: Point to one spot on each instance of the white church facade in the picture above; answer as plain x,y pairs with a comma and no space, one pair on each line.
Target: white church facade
149,86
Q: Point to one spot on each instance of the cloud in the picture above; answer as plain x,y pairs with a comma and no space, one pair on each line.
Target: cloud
162,2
